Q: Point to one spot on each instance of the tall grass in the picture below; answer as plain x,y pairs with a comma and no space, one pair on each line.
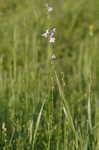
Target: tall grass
49,104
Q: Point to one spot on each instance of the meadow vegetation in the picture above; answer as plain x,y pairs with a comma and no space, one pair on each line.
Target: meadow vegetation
45,103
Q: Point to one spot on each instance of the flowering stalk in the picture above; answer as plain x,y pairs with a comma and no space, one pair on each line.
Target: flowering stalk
49,34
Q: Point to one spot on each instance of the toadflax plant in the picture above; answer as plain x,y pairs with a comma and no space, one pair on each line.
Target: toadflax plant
50,34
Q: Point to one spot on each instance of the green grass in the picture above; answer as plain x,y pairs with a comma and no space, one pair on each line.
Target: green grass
46,104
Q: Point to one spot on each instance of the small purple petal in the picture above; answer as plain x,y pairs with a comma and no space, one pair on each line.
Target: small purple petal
50,9
46,34
52,40
53,57
54,30
51,34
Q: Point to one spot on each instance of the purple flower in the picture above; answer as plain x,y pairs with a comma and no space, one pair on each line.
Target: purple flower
46,34
50,35
52,40
53,57
50,9
52,32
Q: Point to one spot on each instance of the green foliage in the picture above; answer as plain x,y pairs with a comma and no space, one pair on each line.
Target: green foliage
49,104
